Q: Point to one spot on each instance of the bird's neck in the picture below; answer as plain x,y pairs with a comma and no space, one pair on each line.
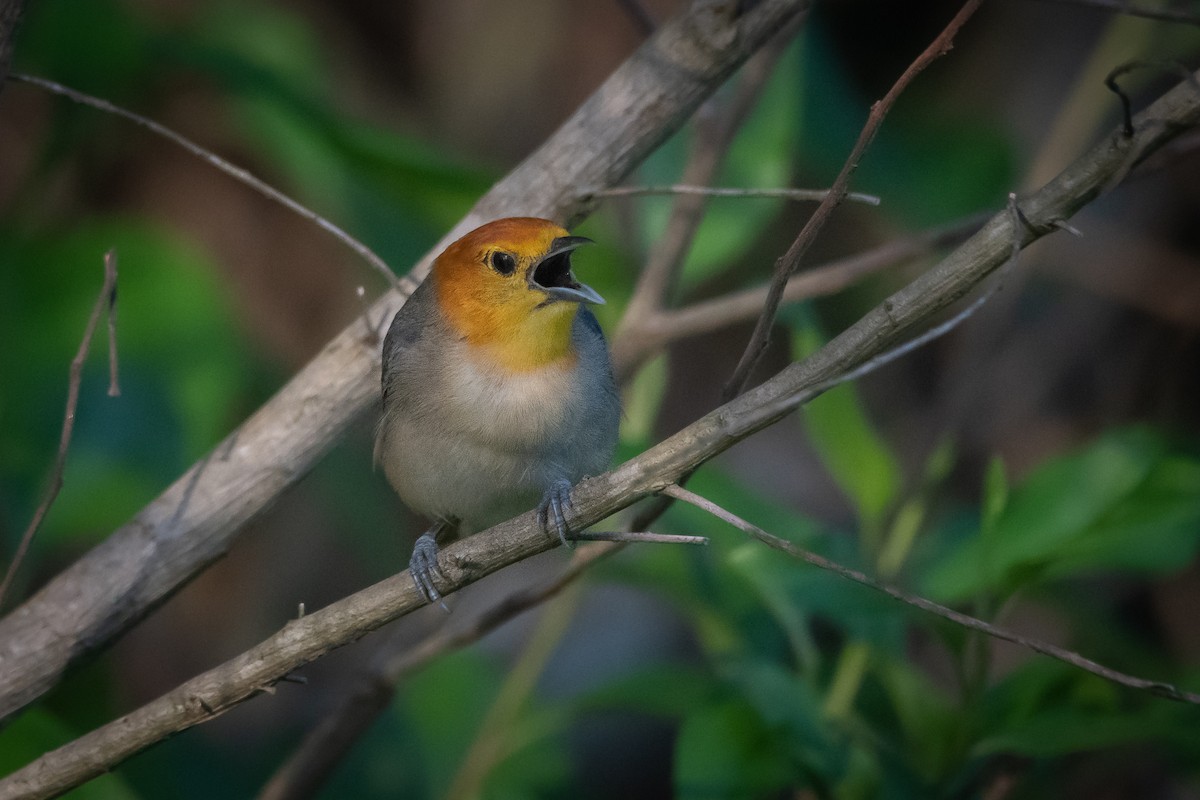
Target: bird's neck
516,340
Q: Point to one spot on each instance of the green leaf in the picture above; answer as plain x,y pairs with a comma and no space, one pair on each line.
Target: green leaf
1048,519
853,452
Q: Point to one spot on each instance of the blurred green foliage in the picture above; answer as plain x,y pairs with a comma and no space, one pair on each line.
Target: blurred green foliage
800,679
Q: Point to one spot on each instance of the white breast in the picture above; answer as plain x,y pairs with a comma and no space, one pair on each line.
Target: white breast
483,455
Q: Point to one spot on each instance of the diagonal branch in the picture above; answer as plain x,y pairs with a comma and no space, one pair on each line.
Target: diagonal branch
957,617
232,170
468,560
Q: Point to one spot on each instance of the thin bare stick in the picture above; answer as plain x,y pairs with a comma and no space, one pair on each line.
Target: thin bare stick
803,195
958,618
114,379
636,536
106,299
788,264
232,170
1129,9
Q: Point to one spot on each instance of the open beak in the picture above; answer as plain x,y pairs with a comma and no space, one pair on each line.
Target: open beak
552,275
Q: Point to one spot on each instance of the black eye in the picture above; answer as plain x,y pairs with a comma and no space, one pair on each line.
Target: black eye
503,262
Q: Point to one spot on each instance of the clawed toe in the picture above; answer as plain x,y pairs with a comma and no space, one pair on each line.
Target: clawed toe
424,568
555,503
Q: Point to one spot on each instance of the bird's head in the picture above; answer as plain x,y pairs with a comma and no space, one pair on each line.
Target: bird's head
507,288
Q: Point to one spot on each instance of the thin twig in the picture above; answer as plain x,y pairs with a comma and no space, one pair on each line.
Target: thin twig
106,299
965,620
803,195
232,170
114,378
788,264
636,536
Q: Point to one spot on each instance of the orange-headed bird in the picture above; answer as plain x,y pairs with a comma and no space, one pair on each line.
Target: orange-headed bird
498,390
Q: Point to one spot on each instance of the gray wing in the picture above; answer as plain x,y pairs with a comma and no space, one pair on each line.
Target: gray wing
602,405
404,354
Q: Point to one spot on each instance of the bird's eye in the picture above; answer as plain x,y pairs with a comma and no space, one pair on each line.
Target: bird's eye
503,262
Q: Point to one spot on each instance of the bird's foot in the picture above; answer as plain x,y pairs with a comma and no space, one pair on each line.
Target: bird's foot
555,502
424,566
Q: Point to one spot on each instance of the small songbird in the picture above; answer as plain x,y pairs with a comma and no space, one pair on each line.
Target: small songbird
498,390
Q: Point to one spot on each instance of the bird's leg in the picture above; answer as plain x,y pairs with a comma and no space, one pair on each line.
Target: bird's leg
423,564
555,502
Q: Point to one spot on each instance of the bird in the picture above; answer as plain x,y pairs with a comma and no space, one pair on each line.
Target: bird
498,388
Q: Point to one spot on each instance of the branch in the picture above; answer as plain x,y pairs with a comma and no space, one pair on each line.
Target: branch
232,170
468,560
195,520
106,299
808,234
799,195
965,620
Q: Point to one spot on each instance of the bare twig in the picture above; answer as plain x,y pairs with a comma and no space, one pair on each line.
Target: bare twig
637,536
466,561
792,258
802,195
965,620
232,170
106,299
